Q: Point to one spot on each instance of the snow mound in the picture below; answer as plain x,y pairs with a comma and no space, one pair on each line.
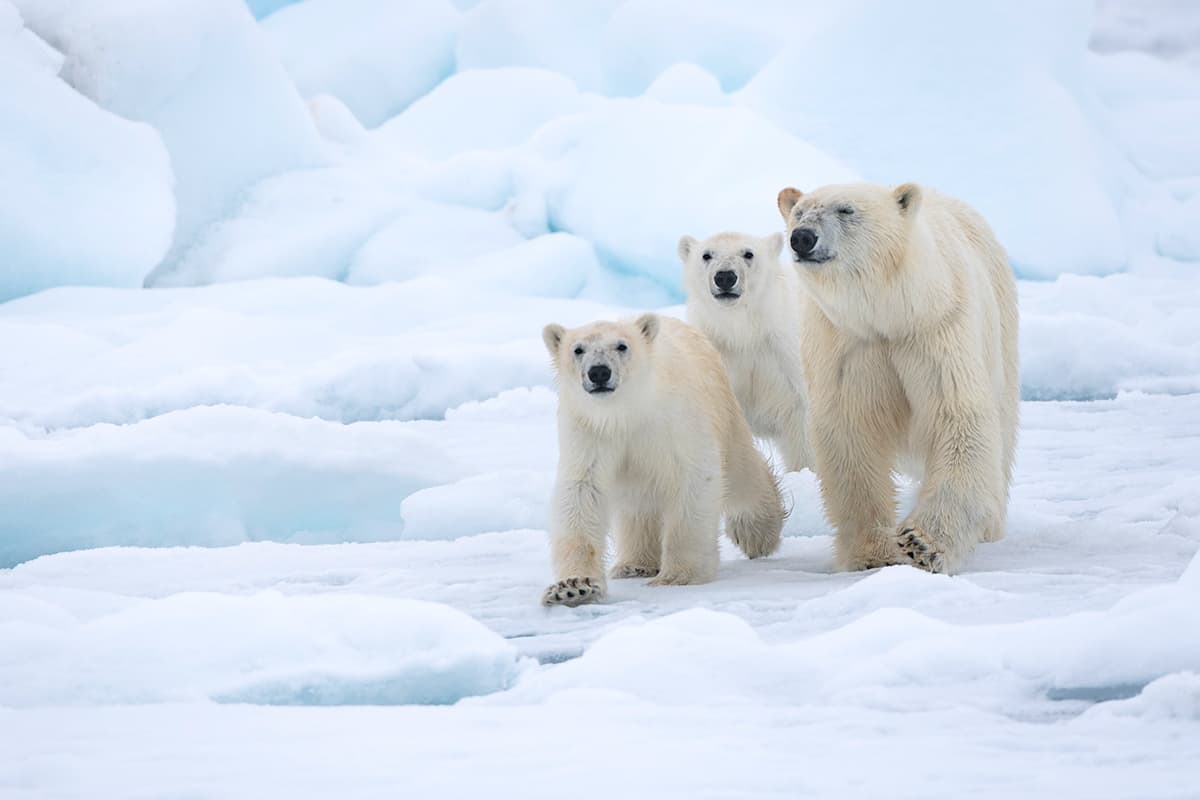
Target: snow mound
209,476
635,175
687,84
496,501
87,195
506,106
377,56
427,237
1179,237
1084,337
267,648
561,37
645,37
891,658
895,111
207,63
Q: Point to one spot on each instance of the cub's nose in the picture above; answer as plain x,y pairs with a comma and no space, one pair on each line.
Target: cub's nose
803,241
725,280
599,374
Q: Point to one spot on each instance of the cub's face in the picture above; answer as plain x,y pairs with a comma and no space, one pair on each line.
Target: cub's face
601,360
729,269
849,225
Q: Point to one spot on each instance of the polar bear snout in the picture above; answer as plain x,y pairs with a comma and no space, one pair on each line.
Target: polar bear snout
599,379
725,286
804,241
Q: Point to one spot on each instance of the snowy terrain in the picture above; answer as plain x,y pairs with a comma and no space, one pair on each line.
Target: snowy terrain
274,526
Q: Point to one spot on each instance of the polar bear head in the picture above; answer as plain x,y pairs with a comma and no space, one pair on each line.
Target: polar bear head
730,269
858,227
603,362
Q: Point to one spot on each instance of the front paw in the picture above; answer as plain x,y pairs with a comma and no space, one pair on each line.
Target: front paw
921,550
573,592
632,571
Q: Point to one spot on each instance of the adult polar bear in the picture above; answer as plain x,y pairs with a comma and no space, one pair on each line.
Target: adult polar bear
910,350
651,437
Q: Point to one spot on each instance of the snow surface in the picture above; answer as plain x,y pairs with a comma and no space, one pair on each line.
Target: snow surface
276,527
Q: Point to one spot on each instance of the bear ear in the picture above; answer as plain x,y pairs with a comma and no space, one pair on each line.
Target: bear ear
774,244
648,324
552,335
908,197
686,244
787,200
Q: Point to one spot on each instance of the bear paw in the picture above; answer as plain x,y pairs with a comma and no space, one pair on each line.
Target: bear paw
573,592
920,550
632,571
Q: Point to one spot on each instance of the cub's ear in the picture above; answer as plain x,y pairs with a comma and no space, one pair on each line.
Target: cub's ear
552,335
774,244
648,324
686,244
787,201
908,197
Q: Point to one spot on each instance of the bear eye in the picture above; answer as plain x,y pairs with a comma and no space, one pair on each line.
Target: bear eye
747,255
845,211
707,256
622,347
578,349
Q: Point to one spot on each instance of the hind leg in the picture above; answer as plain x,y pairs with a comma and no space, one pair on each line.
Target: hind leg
639,542
753,508
691,526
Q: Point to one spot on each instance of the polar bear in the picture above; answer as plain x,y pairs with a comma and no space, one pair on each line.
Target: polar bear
748,304
650,437
910,351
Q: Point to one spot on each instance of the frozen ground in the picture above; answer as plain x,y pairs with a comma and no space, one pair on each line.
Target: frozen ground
1065,659
275,528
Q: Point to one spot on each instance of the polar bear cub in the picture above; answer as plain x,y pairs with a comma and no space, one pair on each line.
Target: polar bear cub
748,304
910,350
651,441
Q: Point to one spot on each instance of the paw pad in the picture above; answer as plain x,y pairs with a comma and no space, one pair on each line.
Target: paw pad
572,592
919,552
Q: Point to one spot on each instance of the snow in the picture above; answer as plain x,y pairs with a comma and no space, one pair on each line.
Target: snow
228,113
277,526
376,56
266,648
633,176
88,197
966,130
508,105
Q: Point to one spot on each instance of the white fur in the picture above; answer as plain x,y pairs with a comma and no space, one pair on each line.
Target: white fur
910,349
757,335
663,456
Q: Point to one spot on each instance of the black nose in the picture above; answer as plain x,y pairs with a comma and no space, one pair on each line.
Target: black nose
803,241
599,374
725,280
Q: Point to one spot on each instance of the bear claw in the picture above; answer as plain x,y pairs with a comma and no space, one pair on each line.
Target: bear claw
919,551
572,592
632,571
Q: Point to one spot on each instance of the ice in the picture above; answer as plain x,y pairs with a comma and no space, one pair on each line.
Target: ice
1084,337
312,467
265,648
429,237
537,33
645,37
634,175
376,56
506,105
496,501
180,84
263,8
88,195
1044,187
